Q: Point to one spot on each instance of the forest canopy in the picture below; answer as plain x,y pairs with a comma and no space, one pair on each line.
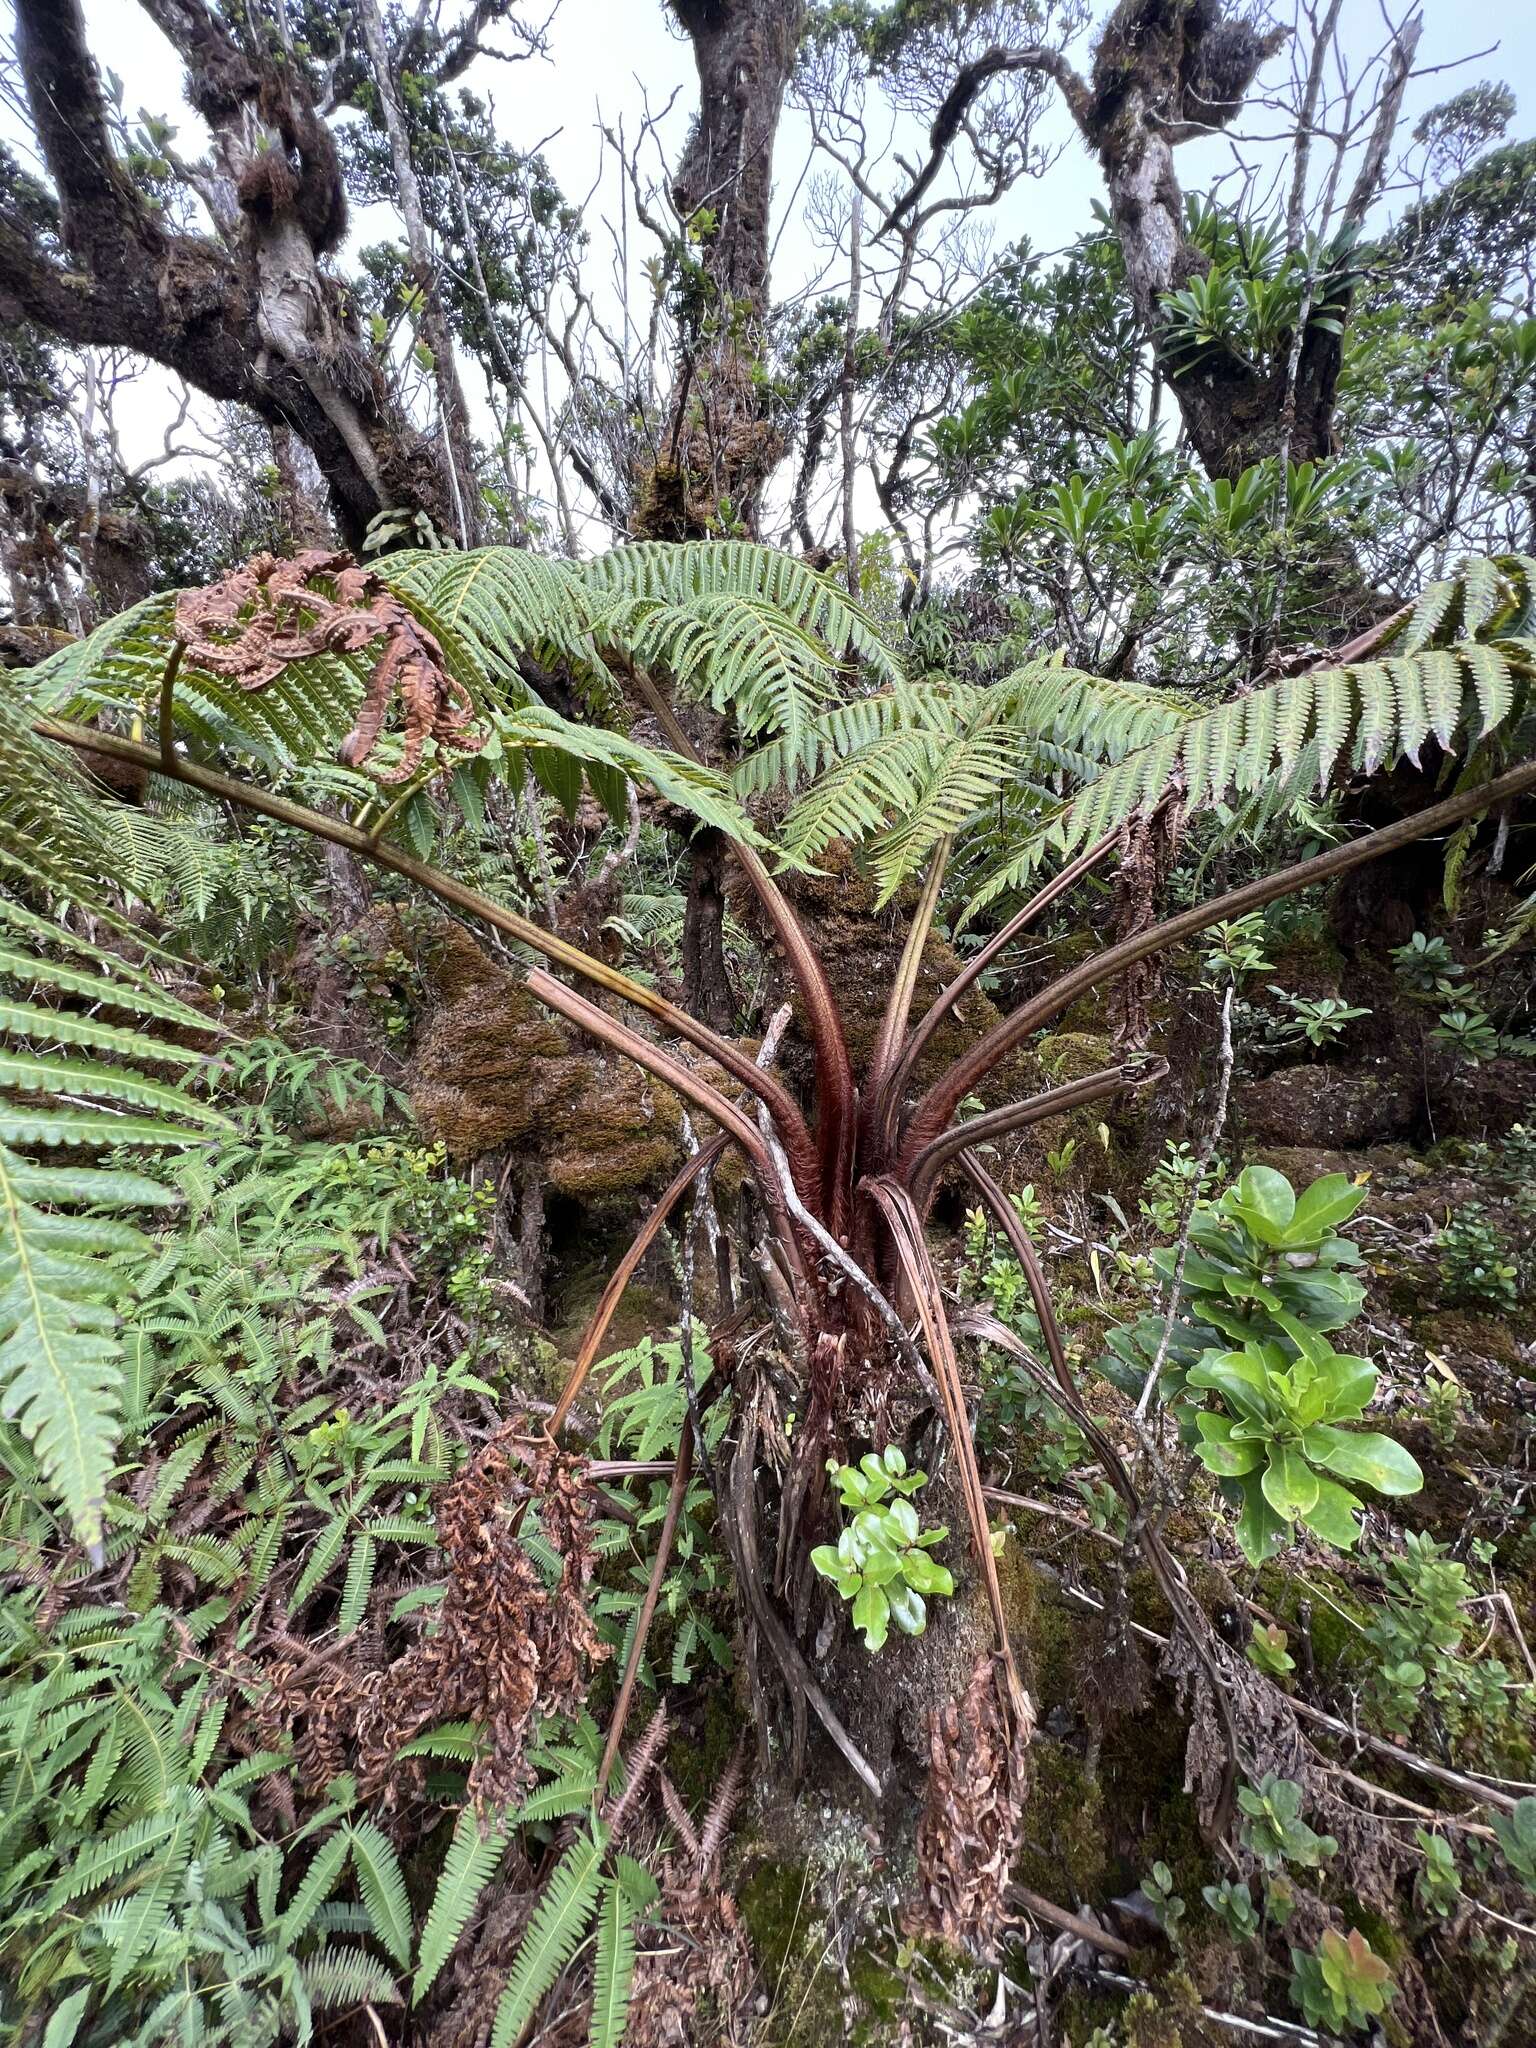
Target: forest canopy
767,1065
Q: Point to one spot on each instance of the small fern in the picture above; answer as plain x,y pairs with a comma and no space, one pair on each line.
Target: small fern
382,1884
554,1933
467,1869
614,1970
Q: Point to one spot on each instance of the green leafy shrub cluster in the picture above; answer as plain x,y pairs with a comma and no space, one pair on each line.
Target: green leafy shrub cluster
1261,1395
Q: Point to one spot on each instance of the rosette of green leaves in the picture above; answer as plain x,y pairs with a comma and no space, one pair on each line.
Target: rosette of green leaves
1259,1392
882,1561
1260,1243
1277,1440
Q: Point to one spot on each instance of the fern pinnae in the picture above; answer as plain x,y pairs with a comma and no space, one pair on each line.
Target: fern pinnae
382,1884
1429,614
613,1973
467,1869
553,1935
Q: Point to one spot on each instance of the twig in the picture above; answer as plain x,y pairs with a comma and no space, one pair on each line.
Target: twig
1069,1922
648,1606
1266,2029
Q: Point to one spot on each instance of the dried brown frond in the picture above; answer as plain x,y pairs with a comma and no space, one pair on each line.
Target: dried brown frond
1147,848
722,1808
638,1766
508,1648
255,621
978,1781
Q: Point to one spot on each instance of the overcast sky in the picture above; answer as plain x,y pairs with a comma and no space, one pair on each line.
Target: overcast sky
606,56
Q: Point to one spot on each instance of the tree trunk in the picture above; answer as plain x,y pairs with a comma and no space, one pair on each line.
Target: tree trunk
721,445
251,317
1165,72
706,979
453,413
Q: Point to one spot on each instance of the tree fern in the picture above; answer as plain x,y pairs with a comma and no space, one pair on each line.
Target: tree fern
743,569
739,626
558,1924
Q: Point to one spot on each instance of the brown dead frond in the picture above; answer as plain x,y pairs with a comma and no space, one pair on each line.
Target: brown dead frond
697,1989
255,621
1148,845
508,1648
968,1835
638,1766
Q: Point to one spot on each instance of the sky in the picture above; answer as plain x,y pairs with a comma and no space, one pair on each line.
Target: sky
608,56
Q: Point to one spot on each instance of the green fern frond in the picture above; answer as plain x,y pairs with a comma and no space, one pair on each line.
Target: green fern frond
62,1262
347,1979
315,1887
382,1884
614,1970
467,1869
679,573
556,1928
1284,744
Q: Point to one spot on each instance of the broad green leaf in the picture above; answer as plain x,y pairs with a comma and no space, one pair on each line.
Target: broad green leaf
872,1614
1290,1484
1266,1202
909,1611
1217,1451
1333,1515
1322,1207
1260,1531
1366,1456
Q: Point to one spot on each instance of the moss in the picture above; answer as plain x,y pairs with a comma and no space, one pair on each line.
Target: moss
1165,2015
1384,1938
1071,1055
697,1758
808,2004
778,1905
1338,1613
642,1312
1480,1334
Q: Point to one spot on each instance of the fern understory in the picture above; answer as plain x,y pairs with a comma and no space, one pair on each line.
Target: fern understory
248,1341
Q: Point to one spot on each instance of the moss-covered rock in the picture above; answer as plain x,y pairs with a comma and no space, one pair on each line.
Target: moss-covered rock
1321,1105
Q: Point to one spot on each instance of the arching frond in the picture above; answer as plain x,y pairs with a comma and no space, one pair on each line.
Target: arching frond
1459,672
73,1079
744,569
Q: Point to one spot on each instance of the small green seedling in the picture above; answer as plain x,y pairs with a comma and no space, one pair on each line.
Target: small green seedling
1345,1985
1438,1887
882,1562
1273,1828
1268,1652
1234,1908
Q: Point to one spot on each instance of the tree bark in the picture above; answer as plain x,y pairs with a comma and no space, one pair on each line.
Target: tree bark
706,979
252,316
721,445
453,413
1164,72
